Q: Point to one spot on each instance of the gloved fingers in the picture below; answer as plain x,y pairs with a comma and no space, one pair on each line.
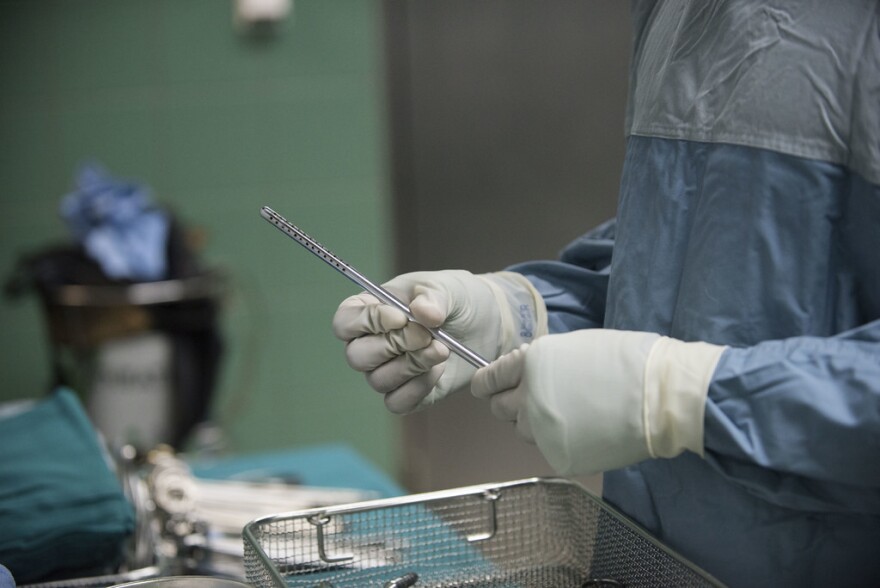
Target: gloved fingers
395,373
407,397
524,428
429,306
364,314
505,406
500,383
509,406
368,352
502,374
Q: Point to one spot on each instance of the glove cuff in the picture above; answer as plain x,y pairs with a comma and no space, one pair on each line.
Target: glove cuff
677,377
522,309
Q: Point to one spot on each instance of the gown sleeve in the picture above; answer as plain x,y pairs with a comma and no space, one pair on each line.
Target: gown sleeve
797,421
575,287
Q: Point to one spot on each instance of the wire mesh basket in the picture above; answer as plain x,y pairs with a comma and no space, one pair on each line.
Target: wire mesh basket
540,532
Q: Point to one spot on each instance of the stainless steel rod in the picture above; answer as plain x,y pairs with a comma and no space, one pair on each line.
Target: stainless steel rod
361,280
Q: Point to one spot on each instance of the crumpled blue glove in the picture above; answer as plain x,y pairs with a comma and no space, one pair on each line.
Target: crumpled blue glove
118,225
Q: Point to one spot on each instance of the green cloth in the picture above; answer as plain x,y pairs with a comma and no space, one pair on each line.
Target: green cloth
62,510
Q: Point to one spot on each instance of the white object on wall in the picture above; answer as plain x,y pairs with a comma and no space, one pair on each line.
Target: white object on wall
260,15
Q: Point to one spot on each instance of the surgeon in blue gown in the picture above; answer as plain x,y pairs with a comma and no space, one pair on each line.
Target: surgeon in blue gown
715,349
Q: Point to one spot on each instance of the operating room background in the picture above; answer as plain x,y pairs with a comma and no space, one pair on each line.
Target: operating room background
403,134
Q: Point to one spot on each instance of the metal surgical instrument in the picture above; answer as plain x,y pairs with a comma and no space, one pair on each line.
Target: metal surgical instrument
358,278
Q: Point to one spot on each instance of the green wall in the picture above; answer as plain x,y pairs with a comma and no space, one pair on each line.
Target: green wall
167,93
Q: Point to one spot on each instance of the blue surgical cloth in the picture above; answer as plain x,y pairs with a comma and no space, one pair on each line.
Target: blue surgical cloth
749,216
62,510
6,579
118,225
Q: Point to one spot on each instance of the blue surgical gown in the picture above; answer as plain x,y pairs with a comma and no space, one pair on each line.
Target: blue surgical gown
749,216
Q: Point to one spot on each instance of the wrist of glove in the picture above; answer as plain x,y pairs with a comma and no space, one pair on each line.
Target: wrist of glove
596,400
521,310
490,313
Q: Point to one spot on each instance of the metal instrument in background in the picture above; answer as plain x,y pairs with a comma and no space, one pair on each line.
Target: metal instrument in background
358,278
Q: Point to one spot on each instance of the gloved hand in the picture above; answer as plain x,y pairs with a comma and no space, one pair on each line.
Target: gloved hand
600,399
490,313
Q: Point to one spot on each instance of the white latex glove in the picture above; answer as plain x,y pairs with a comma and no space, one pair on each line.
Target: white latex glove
600,399
490,313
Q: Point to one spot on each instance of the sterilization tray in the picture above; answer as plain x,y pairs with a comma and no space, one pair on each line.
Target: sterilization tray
539,532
